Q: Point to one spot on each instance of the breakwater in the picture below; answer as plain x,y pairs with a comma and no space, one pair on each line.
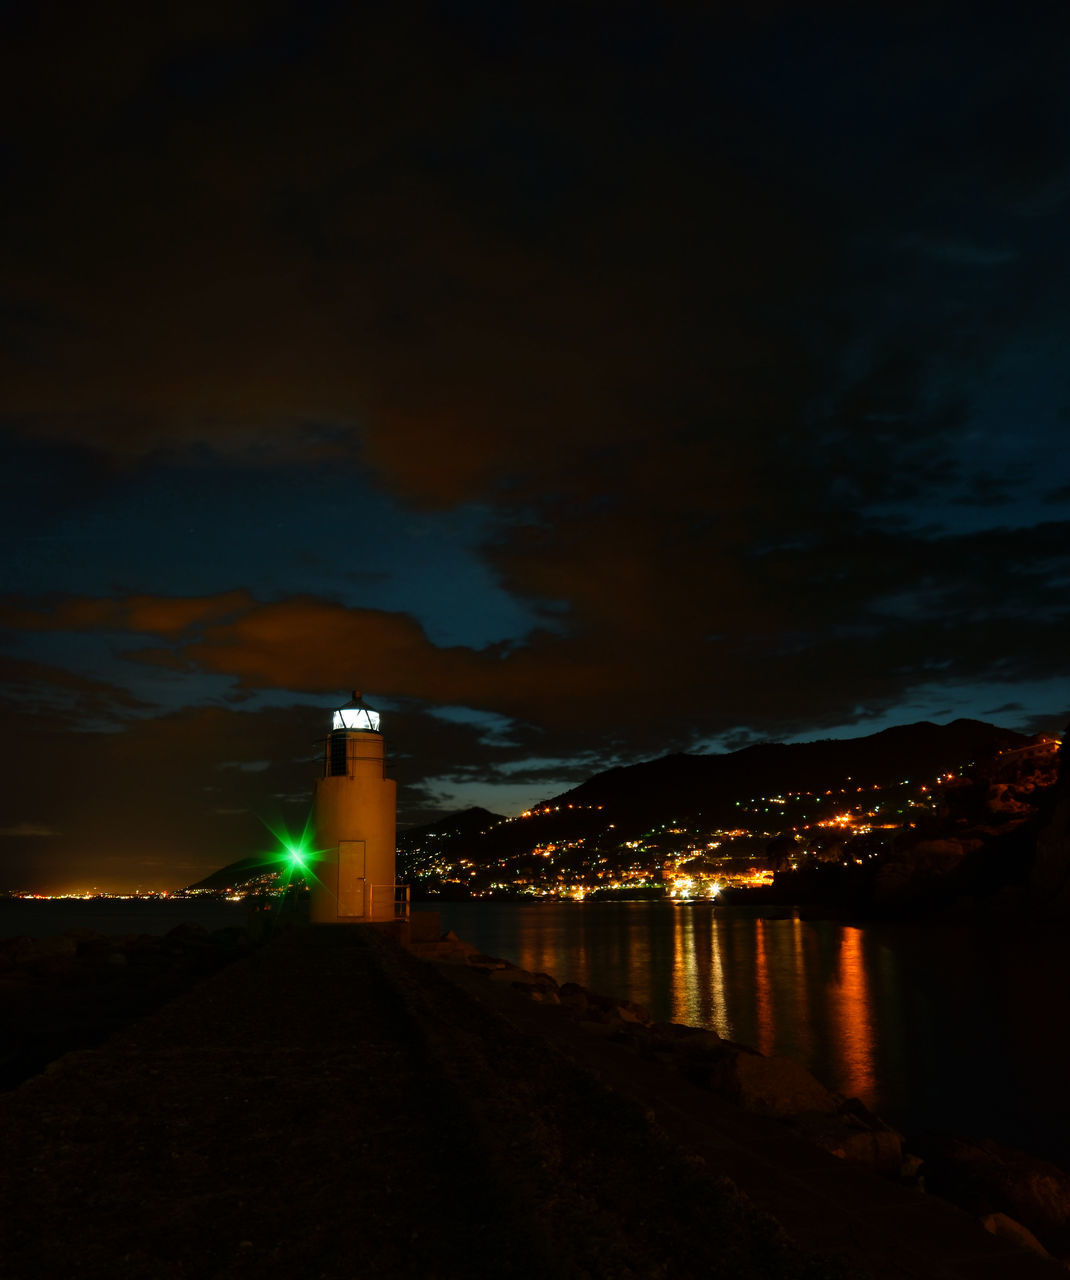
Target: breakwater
330,1104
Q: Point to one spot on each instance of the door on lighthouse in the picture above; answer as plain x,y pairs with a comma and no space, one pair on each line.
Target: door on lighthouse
351,877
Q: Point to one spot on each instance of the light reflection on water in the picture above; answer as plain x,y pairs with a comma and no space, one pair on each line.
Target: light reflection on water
849,1006
933,1027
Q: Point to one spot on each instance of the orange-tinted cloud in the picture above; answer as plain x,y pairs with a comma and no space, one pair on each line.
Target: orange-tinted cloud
161,615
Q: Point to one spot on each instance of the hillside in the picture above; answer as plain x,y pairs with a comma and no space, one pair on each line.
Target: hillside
242,874
710,817
687,785
907,802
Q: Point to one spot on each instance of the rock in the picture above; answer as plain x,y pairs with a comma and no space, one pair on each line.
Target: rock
479,961
634,1036
96,950
596,1028
37,952
689,1048
231,936
139,944
454,949
51,948
673,1031
187,931
876,1146
606,1015
625,1010
538,992
771,1086
984,1177
573,996
15,951
511,974
1004,1228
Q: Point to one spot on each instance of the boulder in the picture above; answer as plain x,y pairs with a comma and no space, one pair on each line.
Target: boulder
632,1012
1004,1228
984,1177
672,1032
872,1144
53,948
772,1086
231,937
595,1027
187,931
693,1045
625,1010
83,935
139,945
15,951
573,996
452,948
511,974
37,953
538,992
635,1037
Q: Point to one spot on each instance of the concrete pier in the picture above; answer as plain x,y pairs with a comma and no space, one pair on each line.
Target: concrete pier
332,1106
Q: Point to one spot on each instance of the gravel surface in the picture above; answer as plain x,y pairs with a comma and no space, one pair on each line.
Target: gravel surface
331,1107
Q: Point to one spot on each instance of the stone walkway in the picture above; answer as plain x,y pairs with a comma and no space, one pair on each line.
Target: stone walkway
333,1107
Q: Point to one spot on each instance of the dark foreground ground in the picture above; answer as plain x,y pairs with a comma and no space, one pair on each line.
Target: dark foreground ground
331,1106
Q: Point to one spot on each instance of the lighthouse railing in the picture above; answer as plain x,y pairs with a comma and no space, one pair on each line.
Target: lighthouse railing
397,895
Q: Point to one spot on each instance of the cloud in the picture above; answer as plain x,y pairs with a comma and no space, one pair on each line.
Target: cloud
654,334
683,624
55,695
160,615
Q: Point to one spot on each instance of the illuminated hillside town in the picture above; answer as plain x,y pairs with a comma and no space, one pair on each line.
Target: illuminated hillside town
569,850
574,851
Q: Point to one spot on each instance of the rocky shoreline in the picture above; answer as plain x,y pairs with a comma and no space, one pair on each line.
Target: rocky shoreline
1016,1196
72,992
331,1106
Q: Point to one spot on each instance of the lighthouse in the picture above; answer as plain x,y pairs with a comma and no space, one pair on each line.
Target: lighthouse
354,812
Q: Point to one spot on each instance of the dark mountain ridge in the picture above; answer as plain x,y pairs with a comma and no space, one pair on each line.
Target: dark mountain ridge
686,788
461,822
712,784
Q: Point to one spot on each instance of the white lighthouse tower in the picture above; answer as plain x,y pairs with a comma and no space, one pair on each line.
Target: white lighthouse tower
354,813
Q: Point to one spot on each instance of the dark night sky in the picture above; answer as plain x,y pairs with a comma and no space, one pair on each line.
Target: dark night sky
583,382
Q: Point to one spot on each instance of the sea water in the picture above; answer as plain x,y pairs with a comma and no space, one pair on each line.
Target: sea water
43,917
933,1027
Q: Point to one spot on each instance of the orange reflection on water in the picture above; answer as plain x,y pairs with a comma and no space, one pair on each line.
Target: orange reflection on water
698,984
722,1024
538,954
763,991
852,1018
801,1020
685,984
561,951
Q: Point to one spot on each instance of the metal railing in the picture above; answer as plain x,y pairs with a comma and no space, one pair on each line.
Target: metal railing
399,896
